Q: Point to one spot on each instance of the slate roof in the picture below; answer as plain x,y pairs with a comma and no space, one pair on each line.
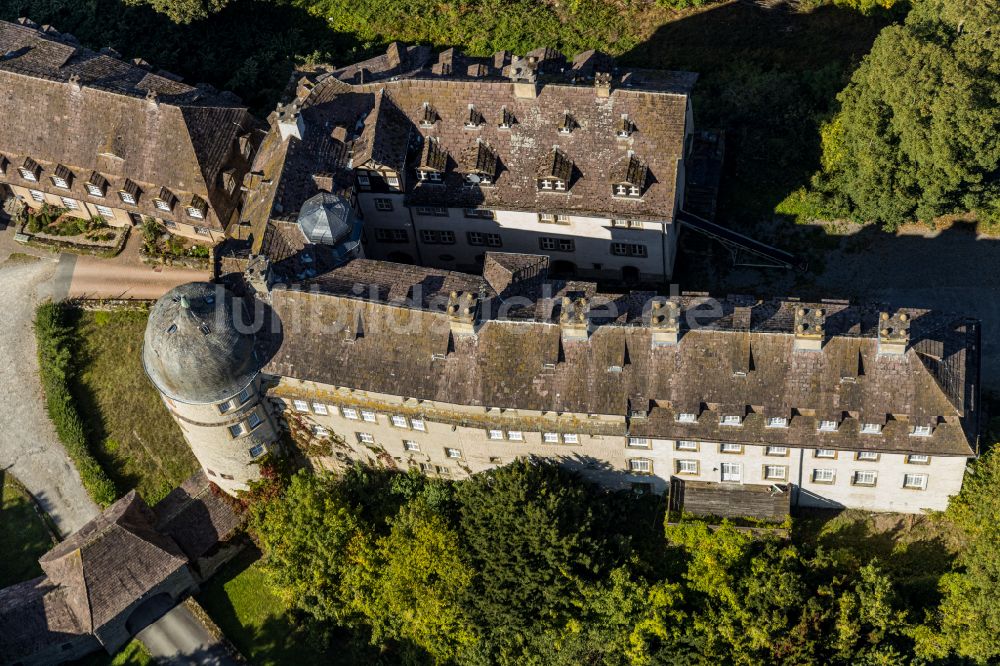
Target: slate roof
66,106
733,358
34,616
111,561
196,516
377,111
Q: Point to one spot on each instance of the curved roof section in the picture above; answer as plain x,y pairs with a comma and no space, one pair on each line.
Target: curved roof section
326,219
195,350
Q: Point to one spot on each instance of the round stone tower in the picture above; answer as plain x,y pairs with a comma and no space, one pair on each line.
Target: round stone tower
204,360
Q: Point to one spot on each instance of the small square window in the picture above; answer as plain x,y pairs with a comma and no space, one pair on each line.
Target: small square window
203,231
368,415
920,431
410,445
69,203
571,438
453,453
827,426
777,422
776,451
60,182
320,408
257,451
685,417
301,406
393,181
94,190
320,431
775,472
866,455
550,437
687,467
366,438
515,435
225,406
918,459
254,420
426,468
243,396
236,430
37,196
28,175
546,218
686,445
105,212
824,453
638,442
363,180
495,434
161,205
350,413
730,420
382,204
915,481
127,197
399,421
823,476
870,428
864,478
640,465
729,447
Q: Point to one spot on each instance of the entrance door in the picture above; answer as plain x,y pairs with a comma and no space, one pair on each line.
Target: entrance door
732,472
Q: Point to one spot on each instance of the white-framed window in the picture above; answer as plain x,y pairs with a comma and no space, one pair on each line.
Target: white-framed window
366,438
867,455
918,459
236,430
775,472
571,438
638,442
410,445
27,174
731,472
515,435
105,212
640,465
129,198
399,421
301,406
430,176
864,477
254,420
550,437
824,453
633,191
495,434
257,450
436,237
915,481
452,453
393,181
350,413
69,203
546,218
37,196
777,422
686,467
320,408
686,445
823,476
383,204
827,426
629,250
776,451
202,231
730,420
418,424
161,205
94,190
920,431
685,417
60,182
320,431
363,180
730,447
870,428
368,415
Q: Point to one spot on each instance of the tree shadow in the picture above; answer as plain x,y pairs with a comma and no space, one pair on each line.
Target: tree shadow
249,47
767,77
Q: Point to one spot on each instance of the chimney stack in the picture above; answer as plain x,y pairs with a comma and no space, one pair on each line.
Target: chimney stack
893,333
810,328
574,319
602,84
664,320
525,78
463,309
290,121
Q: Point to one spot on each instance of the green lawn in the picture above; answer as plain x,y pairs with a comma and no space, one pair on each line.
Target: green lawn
239,599
22,533
130,431
133,654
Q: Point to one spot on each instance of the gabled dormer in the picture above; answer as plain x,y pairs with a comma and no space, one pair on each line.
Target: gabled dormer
433,162
507,119
555,172
568,123
479,164
474,119
628,177
428,115
625,127
30,170
96,185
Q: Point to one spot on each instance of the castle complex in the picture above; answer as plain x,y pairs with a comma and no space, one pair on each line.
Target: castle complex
408,280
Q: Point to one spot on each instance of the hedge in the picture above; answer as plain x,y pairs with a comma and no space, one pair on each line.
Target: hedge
53,335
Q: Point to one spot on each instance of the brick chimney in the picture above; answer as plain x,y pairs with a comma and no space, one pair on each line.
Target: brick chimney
574,319
664,321
602,84
810,328
522,73
289,118
893,333
463,311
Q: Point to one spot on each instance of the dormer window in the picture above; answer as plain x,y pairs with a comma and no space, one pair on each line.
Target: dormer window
628,177
625,128
161,205
554,184
363,180
165,201
870,428
428,116
196,208
555,172
429,176
827,426
507,119
568,123
777,422
475,119
479,164
433,162
30,170
62,178
730,420
920,431
687,417
4,162
96,185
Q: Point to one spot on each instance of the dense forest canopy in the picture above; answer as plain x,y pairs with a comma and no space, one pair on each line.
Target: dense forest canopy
527,564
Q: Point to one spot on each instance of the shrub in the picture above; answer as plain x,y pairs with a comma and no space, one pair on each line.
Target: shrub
53,333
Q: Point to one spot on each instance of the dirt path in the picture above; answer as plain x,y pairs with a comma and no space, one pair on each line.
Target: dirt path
99,278
28,444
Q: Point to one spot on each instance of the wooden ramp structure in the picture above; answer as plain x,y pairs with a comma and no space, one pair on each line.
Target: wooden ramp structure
770,502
